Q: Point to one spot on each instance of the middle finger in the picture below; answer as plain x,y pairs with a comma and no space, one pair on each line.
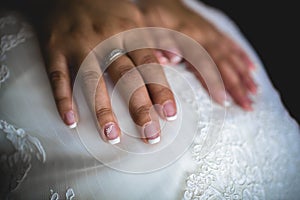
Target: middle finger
135,93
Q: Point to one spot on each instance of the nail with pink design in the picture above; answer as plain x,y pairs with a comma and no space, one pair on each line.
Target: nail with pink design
111,131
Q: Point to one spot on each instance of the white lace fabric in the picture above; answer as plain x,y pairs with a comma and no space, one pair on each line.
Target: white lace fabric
9,41
256,155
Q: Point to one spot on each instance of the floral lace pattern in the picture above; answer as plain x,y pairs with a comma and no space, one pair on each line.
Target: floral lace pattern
17,164
9,41
242,164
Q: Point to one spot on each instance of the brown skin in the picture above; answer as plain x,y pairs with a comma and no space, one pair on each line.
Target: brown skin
68,30
71,30
233,63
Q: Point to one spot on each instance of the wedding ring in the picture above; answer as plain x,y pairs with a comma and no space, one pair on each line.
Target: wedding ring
112,56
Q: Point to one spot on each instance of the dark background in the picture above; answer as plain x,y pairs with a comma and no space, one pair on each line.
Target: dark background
272,29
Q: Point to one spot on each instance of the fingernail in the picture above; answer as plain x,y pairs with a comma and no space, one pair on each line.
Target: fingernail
227,101
161,58
175,59
247,107
111,133
154,141
250,64
223,98
151,132
247,104
254,88
70,119
169,109
172,56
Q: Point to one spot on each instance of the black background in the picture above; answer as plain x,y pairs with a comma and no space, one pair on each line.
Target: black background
272,29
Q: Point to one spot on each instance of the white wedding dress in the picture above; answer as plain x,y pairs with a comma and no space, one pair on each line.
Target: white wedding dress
251,155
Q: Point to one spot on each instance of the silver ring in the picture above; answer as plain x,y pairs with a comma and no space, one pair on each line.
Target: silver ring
112,56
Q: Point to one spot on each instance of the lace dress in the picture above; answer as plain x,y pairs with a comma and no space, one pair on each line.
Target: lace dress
233,155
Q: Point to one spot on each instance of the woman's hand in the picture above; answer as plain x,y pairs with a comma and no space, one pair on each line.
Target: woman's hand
232,62
68,32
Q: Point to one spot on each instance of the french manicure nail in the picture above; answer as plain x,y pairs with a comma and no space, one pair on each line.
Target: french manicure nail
70,119
161,58
247,107
173,57
114,141
247,104
223,98
169,109
111,133
154,141
227,101
151,132
254,88
74,125
250,64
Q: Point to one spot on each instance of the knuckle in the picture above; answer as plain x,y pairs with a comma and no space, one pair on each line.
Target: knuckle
76,31
125,69
147,59
140,113
234,83
244,70
144,109
102,112
164,91
184,27
61,100
50,41
57,76
136,14
91,75
97,28
125,23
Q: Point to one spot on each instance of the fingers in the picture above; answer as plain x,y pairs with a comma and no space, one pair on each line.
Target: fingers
242,54
105,115
241,68
233,84
161,57
157,84
124,73
168,57
169,53
215,88
234,66
95,91
58,73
